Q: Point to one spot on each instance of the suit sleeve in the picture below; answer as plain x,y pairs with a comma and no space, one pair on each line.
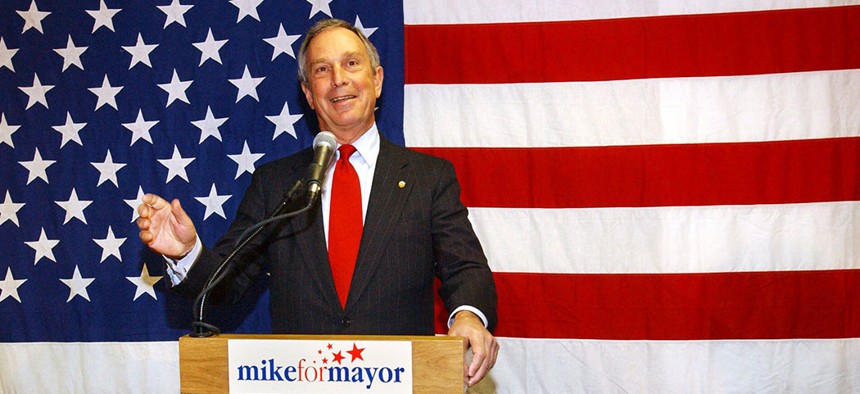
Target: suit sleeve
462,267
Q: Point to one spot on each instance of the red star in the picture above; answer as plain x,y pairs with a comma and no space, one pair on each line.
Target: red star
355,353
329,346
337,357
325,360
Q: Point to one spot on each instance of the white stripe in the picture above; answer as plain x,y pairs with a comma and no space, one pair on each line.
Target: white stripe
758,366
635,112
105,367
788,237
425,12
523,366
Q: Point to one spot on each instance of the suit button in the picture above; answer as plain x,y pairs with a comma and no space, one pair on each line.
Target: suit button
346,321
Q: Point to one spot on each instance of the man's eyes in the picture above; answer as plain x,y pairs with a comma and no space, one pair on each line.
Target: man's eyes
349,64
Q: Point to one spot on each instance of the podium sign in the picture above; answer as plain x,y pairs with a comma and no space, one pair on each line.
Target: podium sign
305,363
319,366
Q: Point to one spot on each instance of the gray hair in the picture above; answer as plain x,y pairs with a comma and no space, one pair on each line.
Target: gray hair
327,24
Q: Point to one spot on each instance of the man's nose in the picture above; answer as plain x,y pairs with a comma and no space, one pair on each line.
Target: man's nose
338,77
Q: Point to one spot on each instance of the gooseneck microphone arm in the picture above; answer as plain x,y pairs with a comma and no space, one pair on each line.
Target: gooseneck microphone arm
324,147
200,327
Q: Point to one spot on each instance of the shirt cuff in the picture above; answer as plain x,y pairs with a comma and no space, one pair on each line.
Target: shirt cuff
177,270
470,309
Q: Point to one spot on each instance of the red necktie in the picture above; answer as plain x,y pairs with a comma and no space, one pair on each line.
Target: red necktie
344,224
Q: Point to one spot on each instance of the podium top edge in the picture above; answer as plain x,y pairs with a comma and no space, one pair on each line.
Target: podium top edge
325,337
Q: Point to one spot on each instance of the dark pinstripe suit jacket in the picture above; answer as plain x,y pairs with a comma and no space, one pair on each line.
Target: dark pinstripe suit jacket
411,235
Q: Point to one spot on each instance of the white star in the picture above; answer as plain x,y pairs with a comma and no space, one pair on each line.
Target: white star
247,85
106,94
144,283
282,43
6,55
368,31
284,122
140,52
134,203
37,167
6,131
9,286
209,48
44,247
245,160
33,18
103,16
140,128
247,8
36,93
213,203
77,285
176,165
9,210
74,207
209,126
318,6
175,13
70,130
107,170
110,246
71,54
175,89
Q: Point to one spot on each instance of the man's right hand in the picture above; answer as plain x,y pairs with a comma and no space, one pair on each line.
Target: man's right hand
165,227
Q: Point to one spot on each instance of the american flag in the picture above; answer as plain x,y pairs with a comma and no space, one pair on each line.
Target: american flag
105,100
668,191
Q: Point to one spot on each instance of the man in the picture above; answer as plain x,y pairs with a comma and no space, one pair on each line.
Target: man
414,226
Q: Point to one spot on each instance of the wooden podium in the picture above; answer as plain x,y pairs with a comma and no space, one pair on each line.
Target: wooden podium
437,361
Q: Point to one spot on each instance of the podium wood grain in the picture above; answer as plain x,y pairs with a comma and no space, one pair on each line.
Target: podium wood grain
437,361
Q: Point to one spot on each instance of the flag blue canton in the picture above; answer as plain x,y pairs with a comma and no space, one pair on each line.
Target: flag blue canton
101,101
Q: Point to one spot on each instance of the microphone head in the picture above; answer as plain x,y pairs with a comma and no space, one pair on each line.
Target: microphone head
325,138
324,147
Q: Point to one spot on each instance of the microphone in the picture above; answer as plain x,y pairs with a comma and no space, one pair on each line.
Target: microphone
324,146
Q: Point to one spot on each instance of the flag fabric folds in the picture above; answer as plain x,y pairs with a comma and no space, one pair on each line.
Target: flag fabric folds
678,210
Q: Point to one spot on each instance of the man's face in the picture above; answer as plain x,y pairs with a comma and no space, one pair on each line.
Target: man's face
341,87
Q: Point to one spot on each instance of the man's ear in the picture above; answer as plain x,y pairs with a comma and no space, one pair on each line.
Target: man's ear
378,80
308,95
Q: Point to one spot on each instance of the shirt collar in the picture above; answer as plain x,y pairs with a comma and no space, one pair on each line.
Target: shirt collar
367,147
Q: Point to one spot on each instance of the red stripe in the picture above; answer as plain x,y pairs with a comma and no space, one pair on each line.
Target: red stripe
654,47
796,171
761,305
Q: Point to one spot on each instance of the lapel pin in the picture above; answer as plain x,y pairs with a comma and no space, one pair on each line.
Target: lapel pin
401,184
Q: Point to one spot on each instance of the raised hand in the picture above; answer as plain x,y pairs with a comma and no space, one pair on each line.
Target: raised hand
165,227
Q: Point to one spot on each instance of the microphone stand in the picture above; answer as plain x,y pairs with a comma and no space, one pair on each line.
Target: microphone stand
201,328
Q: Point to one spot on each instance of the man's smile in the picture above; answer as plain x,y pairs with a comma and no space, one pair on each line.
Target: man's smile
341,98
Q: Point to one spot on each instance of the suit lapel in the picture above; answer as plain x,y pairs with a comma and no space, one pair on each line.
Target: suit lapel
313,248
310,233
392,183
